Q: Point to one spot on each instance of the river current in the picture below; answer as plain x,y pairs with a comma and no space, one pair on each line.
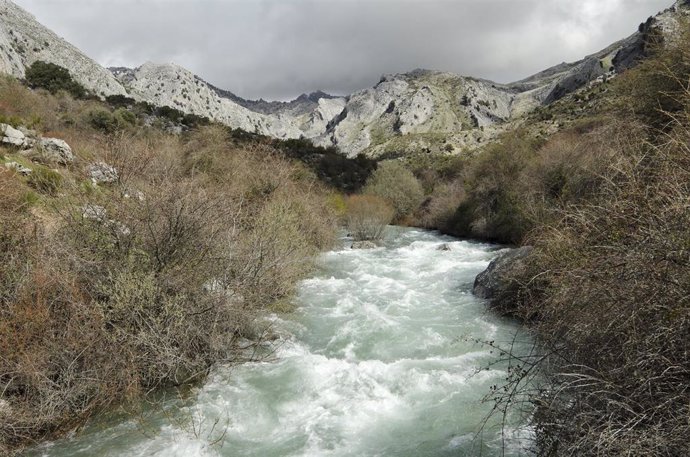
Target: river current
379,359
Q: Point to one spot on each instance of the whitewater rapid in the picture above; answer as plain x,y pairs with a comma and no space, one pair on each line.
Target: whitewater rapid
379,359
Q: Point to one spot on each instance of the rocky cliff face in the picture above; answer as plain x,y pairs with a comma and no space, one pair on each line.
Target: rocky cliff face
420,110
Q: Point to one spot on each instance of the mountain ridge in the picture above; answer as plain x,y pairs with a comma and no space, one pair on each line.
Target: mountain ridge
417,110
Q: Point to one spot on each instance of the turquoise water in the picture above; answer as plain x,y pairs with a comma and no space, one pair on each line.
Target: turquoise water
378,360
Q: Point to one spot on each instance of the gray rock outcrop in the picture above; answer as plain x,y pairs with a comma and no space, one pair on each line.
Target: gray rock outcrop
498,282
416,111
23,41
12,136
55,150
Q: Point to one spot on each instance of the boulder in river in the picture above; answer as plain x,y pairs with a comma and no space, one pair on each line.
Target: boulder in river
497,283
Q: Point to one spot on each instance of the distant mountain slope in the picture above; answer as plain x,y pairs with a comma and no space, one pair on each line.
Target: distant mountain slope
419,110
23,40
174,86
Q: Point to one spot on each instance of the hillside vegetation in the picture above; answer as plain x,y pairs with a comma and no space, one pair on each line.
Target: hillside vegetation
143,261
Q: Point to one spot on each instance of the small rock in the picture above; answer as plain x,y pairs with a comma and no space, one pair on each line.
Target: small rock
102,173
12,136
120,229
139,195
444,247
56,150
93,212
364,245
18,167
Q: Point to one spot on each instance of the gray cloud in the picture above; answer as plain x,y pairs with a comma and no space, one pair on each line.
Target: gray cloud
277,49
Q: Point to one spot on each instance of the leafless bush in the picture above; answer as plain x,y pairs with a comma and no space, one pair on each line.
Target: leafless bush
607,288
108,292
367,217
438,209
608,292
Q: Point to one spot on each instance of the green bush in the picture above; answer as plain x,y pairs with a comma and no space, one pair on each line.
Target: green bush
395,183
332,167
125,117
53,78
120,101
107,122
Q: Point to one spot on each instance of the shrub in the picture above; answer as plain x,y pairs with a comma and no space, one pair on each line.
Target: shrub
395,183
120,101
332,167
125,118
107,122
367,217
53,78
494,208
103,120
438,209
608,290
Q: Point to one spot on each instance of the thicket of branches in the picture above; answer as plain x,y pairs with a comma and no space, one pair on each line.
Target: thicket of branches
109,291
607,288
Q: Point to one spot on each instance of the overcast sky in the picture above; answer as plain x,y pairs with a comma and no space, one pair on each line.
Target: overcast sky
277,49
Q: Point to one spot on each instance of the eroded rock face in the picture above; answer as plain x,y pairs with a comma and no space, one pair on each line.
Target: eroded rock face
498,282
417,111
55,150
174,86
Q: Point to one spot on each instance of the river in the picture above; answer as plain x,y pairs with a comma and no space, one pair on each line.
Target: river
379,359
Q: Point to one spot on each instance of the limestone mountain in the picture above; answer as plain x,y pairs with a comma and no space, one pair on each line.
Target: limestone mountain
420,110
444,112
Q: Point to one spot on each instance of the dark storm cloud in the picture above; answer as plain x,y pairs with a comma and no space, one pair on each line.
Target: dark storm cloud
280,48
